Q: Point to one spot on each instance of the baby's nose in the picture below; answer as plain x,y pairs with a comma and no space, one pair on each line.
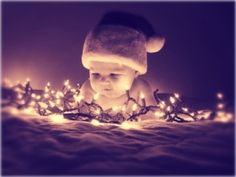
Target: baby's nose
105,79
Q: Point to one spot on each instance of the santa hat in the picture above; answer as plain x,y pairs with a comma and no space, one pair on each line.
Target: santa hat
121,38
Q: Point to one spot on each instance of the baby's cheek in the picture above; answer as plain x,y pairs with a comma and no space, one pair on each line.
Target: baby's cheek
94,84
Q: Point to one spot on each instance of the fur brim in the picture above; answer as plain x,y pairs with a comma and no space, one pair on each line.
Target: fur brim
88,57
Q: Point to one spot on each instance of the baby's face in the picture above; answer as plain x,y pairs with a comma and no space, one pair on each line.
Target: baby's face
110,79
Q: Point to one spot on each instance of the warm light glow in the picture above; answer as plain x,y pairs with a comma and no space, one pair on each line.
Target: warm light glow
78,98
58,119
53,91
172,100
134,107
203,114
59,94
177,95
95,122
159,113
162,104
115,108
29,110
96,96
19,96
66,82
14,111
224,116
43,105
123,108
58,101
169,109
142,95
48,84
38,97
46,95
46,89
192,114
128,125
73,90
51,104
185,109
32,103
97,111
33,95
220,96
220,106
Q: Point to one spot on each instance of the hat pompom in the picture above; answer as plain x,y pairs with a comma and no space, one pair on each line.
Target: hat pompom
155,44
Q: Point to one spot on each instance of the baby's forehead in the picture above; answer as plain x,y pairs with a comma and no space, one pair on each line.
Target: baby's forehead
107,66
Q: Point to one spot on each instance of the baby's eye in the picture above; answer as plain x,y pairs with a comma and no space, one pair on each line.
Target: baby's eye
96,75
113,75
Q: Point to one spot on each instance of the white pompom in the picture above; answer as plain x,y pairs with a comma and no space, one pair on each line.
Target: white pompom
155,44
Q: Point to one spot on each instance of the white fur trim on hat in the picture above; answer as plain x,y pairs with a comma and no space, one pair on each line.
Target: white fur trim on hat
87,58
116,44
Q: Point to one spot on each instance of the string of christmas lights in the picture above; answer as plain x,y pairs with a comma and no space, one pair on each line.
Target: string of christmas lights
69,102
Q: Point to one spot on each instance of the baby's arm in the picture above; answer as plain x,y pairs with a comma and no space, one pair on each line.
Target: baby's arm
145,89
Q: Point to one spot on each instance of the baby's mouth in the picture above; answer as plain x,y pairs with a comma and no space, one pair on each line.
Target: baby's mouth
107,89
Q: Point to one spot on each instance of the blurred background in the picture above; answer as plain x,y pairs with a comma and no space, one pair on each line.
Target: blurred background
43,41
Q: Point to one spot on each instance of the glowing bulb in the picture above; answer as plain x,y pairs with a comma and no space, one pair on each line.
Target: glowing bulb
172,100
53,91
185,109
33,95
58,101
115,108
46,89
19,96
134,107
123,108
59,94
142,95
38,97
169,109
177,95
32,103
58,119
28,79
43,105
95,122
162,104
127,126
97,111
159,113
46,95
73,90
66,82
223,116
192,114
220,106
220,96
48,84
96,96
78,98
51,104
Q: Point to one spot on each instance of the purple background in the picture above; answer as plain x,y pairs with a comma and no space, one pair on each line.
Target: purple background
43,41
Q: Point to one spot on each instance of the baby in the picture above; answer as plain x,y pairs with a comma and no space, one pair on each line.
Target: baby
115,53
